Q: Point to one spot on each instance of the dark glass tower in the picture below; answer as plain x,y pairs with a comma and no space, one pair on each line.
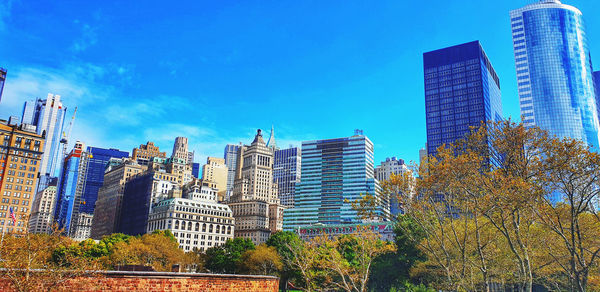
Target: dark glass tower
597,84
461,90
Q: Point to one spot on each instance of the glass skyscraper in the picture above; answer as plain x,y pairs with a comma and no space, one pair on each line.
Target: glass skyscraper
334,173
554,70
286,174
461,90
597,83
231,157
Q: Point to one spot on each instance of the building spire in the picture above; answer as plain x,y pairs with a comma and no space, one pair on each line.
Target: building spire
271,143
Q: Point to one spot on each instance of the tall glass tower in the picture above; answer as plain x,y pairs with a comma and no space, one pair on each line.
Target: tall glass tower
461,90
2,80
554,70
334,173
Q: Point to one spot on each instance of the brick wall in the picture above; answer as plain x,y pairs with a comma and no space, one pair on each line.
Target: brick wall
159,281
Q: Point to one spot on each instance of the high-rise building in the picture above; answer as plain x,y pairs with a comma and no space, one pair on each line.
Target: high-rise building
554,71
461,90
70,185
145,153
423,154
2,80
231,156
42,211
216,171
190,158
196,170
254,202
597,84
81,198
20,156
140,194
335,173
286,174
48,116
271,142
384,171
110,196
180,149
196,220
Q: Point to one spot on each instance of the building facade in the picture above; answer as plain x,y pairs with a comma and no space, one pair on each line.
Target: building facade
180,149
143,154
216,171
384,229
139,195
231,156
286,174
197,221
384,171
461,90
554,71
597,84
334,173
42,211
107,213
20,159
254,200
48,116
70,185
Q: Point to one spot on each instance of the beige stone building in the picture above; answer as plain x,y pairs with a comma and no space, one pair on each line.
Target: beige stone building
254,202
42,211
145,153
180,149
20,156
108,206
215,171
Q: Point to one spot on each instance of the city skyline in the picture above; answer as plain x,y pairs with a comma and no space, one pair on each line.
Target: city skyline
337,54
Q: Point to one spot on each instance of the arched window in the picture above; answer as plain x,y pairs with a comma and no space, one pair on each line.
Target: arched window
197,226
189,226
176,224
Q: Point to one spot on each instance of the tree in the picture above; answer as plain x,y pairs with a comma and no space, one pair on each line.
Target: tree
283,242
263,260
348,259
158,250
26,261
227,258
569,207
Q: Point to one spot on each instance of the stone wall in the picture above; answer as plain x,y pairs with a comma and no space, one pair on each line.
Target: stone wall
160,281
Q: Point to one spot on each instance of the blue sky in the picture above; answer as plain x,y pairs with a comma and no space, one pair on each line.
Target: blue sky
215,71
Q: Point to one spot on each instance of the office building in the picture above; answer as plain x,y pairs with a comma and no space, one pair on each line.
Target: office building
254,202
107,212
140,194
70,185
180,149
42,211
2,81
286,174
423,155
271,142
385,230
461,90
190,159
48,116
554,71
384,171
335,173
196,170
143,154
197,221
231,156
20,157
597,84
216,171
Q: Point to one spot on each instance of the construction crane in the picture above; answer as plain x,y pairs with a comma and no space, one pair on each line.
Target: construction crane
65,137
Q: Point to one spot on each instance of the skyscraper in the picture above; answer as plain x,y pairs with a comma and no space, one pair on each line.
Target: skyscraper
384,171
48,116
180,149
81,192
69,185
2,80
41,210
254,202
554,70
231,156
215,171
334,173
461,90
597,84
143,154
20,155
286,174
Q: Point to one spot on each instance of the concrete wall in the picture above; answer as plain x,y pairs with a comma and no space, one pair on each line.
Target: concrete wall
160,281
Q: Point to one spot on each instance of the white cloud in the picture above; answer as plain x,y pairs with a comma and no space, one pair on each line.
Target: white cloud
89,37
